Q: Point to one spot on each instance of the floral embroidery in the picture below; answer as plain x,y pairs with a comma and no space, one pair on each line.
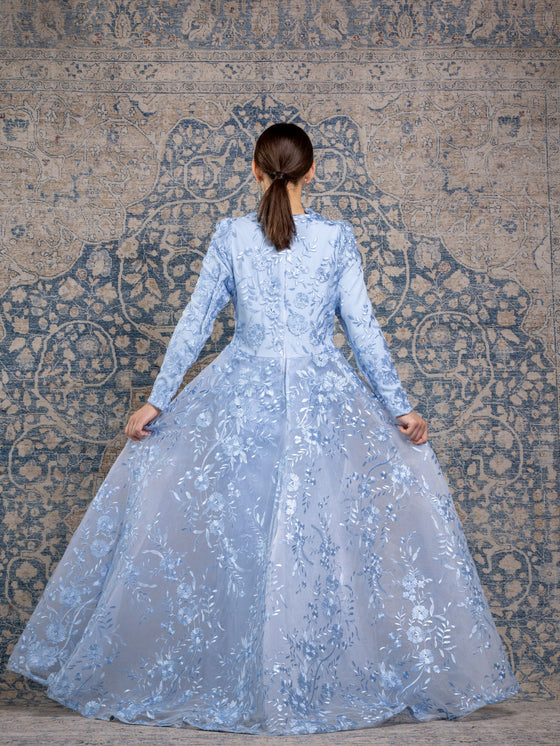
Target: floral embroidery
275,556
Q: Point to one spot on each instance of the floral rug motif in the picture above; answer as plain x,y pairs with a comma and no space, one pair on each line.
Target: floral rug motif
126,132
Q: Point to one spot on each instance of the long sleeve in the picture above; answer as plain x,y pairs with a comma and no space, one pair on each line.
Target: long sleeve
212,292
363,331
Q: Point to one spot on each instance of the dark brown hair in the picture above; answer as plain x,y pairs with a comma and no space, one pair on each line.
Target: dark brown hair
284,152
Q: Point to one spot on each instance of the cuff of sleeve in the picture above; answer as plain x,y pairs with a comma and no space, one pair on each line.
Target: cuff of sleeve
402,414
159,403
400,407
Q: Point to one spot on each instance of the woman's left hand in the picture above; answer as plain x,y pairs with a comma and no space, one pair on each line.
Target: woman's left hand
415,427
136,425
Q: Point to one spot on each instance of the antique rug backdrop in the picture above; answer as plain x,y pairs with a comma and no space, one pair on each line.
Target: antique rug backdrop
126,131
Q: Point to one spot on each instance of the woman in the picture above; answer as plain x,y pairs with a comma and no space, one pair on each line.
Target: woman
275,549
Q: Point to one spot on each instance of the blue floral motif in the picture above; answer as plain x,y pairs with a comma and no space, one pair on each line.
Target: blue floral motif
297,324
41,655
254,335
275,557
56,632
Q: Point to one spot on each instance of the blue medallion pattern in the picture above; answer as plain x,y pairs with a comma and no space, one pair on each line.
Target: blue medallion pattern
275,556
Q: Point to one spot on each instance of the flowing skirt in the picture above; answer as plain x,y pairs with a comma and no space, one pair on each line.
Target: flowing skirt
275,557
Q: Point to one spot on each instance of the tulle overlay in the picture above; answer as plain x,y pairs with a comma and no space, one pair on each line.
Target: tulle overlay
274,557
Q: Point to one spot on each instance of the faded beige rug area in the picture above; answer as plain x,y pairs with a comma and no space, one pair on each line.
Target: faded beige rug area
126,132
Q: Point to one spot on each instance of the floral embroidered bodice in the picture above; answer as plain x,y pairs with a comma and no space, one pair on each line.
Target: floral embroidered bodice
285,303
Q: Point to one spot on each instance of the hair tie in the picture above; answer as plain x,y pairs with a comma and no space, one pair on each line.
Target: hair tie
280,175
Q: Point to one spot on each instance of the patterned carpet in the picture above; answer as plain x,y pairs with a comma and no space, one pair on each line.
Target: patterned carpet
506,724
126,131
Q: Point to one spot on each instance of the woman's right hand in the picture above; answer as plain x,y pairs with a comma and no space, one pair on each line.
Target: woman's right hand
415,426
135,428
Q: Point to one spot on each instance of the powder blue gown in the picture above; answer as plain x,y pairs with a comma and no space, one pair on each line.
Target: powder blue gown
275,557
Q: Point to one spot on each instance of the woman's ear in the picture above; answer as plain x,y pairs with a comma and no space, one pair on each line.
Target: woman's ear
310,174
257,173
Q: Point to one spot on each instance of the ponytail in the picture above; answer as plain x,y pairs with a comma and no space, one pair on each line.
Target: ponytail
275,214
283,152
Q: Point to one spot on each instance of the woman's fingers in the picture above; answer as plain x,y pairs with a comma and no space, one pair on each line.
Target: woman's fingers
135,431
132,428
418,433
415,427
415,434
135,428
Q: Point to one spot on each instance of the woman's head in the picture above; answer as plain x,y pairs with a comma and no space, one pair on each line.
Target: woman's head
285,154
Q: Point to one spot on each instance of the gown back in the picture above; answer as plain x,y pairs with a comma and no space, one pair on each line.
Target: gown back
275,556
